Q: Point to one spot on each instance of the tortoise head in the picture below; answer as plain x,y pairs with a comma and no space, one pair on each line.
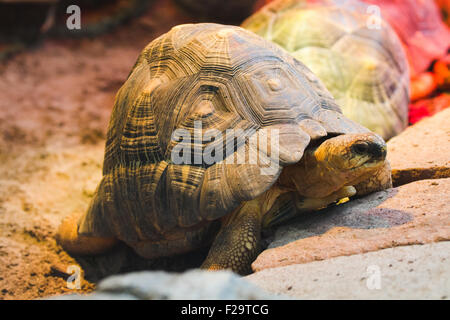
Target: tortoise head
329,165
351,152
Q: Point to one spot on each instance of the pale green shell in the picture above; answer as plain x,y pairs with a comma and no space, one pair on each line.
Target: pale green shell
362,65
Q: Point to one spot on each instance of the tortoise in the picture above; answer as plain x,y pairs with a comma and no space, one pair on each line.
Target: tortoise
168,189
364,68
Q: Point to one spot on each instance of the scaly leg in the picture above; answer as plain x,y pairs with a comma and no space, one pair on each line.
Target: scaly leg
236,245
69,238
238,242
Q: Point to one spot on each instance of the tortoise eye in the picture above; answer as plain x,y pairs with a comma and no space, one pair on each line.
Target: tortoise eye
360,148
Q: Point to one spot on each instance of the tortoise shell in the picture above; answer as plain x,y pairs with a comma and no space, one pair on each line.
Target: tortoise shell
224,78
363,66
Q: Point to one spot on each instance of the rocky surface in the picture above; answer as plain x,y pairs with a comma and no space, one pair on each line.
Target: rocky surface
422,151
190,285
415,213
412,272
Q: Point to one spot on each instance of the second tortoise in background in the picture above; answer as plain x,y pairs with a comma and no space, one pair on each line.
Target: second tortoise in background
362,65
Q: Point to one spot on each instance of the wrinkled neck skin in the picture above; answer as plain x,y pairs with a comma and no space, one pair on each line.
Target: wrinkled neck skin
310,178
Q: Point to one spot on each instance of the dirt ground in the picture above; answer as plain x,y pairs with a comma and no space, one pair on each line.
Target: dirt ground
55,103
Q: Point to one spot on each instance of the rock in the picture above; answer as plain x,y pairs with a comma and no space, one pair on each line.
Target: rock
422,151
191,285
412,272
415,213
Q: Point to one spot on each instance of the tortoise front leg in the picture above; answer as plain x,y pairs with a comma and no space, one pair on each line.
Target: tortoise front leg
237,244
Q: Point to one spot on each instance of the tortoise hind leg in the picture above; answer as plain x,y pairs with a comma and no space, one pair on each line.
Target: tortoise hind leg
236,245
69,238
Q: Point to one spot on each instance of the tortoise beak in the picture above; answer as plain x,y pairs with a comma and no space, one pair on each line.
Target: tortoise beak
377,151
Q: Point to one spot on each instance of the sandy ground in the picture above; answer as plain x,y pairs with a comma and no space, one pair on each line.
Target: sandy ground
55,103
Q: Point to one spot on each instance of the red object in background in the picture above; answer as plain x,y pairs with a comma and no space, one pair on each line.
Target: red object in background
422,86
420,27
428,107
441,71
444,5
417,112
